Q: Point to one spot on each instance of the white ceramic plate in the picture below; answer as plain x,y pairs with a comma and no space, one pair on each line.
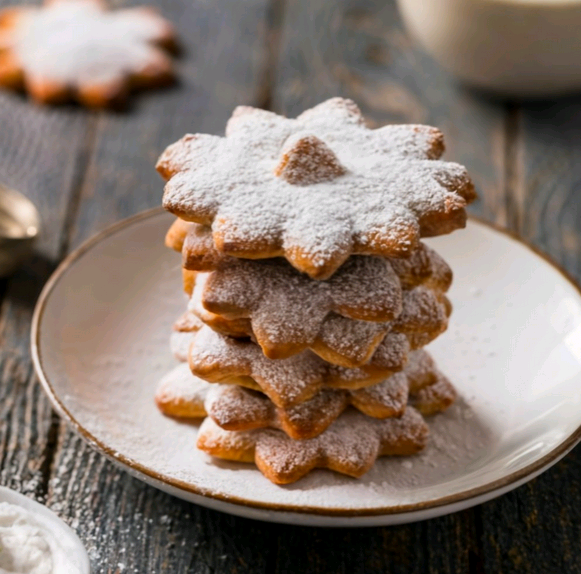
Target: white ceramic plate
69,554
100,345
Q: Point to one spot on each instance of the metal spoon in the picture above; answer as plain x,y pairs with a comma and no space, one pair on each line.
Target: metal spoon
19,228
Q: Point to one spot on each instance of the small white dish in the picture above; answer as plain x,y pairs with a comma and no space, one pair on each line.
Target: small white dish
100,344
69,554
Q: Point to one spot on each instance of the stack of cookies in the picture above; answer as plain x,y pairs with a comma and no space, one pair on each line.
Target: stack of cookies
310,294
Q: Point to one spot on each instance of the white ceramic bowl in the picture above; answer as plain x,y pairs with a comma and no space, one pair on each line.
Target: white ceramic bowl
526,48
70,556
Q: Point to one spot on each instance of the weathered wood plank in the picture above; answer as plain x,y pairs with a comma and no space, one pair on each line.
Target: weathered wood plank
433,546
546,206
42,152
128,526
537,528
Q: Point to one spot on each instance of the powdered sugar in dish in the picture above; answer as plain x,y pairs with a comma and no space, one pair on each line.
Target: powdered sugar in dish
28,545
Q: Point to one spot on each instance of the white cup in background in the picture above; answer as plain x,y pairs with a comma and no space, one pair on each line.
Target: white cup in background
526,48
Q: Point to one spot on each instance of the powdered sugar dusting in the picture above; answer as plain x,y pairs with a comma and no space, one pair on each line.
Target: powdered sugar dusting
434,397
424,316
420,370
77,42
179,344
392,353
287,311
287,306
180,386
389,398
286,382
424,267
354,340
390,192
231,406
238,408
187,323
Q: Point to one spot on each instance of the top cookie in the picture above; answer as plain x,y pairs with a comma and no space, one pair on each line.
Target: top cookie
317,188
75,49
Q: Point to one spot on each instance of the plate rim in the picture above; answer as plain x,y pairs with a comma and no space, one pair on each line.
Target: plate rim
140,470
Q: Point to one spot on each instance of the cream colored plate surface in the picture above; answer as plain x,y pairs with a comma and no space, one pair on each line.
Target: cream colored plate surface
100,344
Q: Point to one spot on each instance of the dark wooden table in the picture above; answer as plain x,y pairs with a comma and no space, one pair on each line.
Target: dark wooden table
86,170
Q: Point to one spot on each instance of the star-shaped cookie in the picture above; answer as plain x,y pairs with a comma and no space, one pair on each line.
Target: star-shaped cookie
236,408
350,445
423,267
77,49
288,382
430,390
339,340
181,394
288,311
315,189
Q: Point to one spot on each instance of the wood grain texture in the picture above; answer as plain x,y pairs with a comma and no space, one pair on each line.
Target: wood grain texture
41,155
445,544
129,527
